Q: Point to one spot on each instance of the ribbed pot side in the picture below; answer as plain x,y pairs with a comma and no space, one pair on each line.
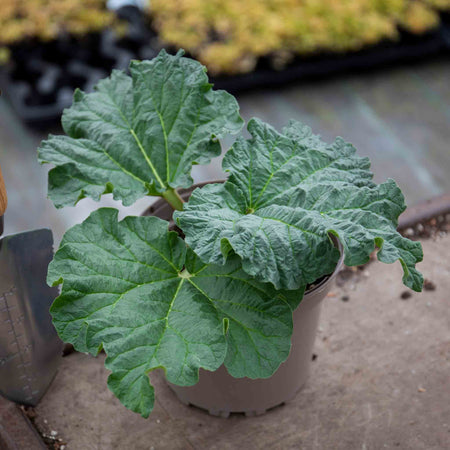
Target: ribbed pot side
221,394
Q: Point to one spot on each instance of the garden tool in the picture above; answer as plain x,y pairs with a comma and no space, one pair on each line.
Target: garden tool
29,346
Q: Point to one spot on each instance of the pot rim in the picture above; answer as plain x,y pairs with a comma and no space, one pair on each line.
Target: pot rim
330,277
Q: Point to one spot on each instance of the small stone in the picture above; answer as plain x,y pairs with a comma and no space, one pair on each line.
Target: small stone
428,285
331,294
421,389
433,222
409,232
345,298
53,433
428,304
420,227
314,357
62,447
405,295
45,421
440,219
158,421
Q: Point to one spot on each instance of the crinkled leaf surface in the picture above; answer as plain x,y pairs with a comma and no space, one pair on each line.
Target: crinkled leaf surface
141,134
136,290
286,192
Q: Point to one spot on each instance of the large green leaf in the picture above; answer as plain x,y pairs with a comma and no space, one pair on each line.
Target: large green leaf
286,193
134,289
139,135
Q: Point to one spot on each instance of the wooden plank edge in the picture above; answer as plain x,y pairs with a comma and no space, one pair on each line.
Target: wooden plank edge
424,211
16,430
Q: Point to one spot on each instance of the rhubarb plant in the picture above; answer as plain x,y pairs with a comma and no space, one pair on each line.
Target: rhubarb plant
287,192
225,294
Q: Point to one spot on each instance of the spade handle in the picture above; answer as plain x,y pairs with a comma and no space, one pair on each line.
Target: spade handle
3,196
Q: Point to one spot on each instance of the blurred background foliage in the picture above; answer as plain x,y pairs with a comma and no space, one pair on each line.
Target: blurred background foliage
230,36
45,20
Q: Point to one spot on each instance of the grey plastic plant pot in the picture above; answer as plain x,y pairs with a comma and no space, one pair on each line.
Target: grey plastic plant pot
221,394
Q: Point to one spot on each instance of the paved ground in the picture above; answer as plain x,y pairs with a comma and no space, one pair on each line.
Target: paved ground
382,376
399,117
381,380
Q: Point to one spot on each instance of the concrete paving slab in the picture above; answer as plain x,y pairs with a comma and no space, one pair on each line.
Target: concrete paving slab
381,379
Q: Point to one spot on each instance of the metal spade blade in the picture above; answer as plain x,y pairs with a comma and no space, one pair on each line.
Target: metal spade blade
29,346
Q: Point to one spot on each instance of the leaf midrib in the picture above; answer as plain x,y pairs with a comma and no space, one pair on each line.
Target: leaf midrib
132,132
300,182
131,129
147,158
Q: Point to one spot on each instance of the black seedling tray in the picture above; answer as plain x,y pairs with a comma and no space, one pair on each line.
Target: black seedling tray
40,81
42,78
